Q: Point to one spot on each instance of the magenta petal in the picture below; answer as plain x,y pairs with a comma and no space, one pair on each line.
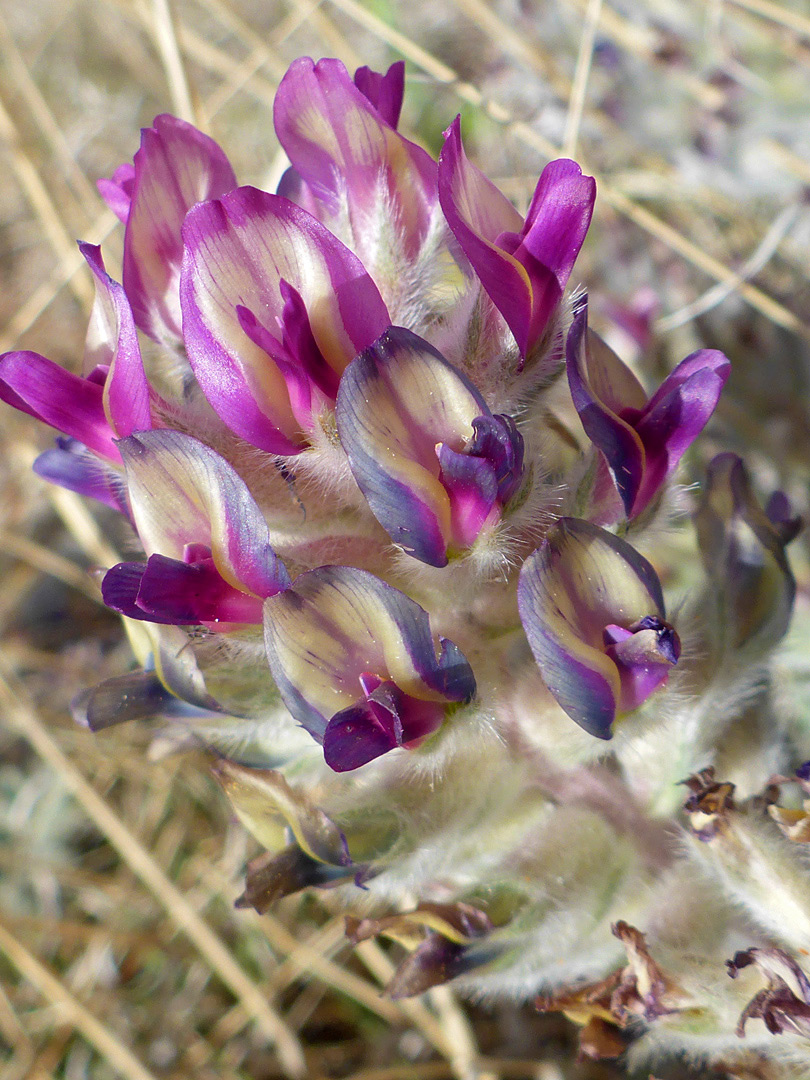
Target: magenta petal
644,655
357,735
473,490
67,402
180,593
117,191
477,214
112,342
556,225
676,415
385,92
175,167
523,266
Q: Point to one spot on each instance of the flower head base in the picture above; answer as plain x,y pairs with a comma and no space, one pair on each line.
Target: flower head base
593,612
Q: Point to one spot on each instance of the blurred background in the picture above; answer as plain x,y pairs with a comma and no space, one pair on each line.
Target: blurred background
120,951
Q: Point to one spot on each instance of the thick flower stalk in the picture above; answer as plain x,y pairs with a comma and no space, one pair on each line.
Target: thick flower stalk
407,528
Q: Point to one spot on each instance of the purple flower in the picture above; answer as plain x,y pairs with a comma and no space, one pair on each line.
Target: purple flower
357,664
176,167
346,153
210,559
523,265
274,308
642,440
436,467
593,613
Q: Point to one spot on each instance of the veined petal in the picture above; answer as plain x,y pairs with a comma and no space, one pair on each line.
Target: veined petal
341,146
112,342
642,441
593,378
557,222
175,167
69,403
385,92
580,582
397,401
335,626
239,250
477,214
183,493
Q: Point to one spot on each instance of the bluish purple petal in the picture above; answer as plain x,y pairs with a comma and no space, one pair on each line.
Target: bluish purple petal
71,465
615,437
676,415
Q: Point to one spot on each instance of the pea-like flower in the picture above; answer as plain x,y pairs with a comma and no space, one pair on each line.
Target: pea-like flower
348,159
175,167
210,559
524,266
274,308
357,664
436,467
642,439
593,612
111,399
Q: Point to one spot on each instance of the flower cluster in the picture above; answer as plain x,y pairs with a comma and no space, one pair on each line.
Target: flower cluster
390,490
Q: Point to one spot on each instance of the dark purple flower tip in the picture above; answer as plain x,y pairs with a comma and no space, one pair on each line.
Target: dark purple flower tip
386,719
803,771
385,92
272,877
169,591
137,696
